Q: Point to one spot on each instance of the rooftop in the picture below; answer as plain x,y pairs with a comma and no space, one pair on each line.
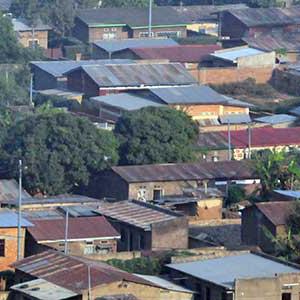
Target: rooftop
9,190
220,170
225,270
234,54
79,229
9,219
295,111
71,272
136,213
276,119
117,45
148,74
43,290
195,94
235,119
289,193
276,211
23,25
179,53
131,16
125,101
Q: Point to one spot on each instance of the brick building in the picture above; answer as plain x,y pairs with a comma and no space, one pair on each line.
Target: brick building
239,276
146,227
85,236
122,23
53,275
29,36
263,220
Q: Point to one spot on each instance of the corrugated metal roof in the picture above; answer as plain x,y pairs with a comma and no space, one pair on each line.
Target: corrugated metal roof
289,193
125,101
149,74
131,16
117,45
180,53
225,270
136,213
276,212
22,25
295,111
79,228
42,214
276,119
10,219
221,170
9,190
79,211
235,119
71,272
212,140
195,94
59,67
234,53
43,290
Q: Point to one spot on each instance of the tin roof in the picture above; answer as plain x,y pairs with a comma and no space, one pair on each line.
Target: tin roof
59,67
71,272
125,101
22,25
195,94
9,190
136,213
295,111
276,119
220,170
179,53
43,290
78,229
276,212
148,74
9,219
235,119
253,17
233,54
117,45
131,16
225,270
289,193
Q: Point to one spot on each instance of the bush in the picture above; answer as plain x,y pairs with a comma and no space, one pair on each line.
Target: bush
236,193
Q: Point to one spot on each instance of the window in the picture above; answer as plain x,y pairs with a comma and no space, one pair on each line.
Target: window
32,43
168,34
123,235
142,242
114,29
286,296
106,29
142,193
145,34
157,193
2,247
207,293
109,36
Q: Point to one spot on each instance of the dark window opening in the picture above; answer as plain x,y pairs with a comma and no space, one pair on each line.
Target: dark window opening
2,248
286,296
142,242
157,194
207,293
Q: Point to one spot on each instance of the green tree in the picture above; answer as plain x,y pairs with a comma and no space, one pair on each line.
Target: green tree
156,135
125,3
61,152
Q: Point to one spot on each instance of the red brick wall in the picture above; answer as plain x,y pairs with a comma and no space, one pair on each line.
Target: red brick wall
228,75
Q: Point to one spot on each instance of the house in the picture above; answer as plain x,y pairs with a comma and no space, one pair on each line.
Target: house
152,182
9,191
85,236
252,22
30,36
145,226
189,55
104,79
92,25
246,141
9,238
203,18
263,220
50,74
242,57
118,48
54,275
239,276
277,121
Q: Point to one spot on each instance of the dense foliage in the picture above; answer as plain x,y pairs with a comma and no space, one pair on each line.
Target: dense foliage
61,152
156,135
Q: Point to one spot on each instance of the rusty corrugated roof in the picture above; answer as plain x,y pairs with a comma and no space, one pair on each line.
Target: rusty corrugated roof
79,228
9,190
71,272
221,170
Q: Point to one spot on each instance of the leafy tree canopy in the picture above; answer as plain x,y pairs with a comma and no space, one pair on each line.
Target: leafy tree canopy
60,152
156,135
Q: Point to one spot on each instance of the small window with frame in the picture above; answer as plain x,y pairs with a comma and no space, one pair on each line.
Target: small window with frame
2,248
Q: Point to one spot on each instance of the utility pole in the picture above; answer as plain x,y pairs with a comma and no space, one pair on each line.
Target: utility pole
31,91
66,231
150,19
19,256
249,140
229,142
89,283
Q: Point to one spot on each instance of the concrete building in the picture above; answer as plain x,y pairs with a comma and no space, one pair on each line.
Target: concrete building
239,277
146,227
263,220
108,23
85,236
36,279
